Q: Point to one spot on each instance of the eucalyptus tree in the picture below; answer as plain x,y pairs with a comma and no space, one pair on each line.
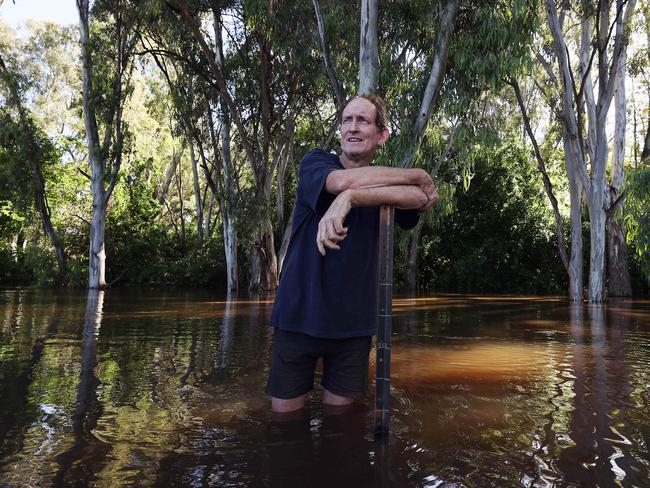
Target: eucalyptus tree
582,116
454,50
269,81
203,118
24,142
108,37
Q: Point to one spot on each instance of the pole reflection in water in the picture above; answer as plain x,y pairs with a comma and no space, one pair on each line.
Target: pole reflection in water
72,468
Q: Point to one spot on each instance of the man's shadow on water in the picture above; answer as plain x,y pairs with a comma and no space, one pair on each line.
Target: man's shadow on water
335,449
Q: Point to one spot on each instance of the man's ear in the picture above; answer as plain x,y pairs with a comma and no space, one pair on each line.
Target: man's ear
385,134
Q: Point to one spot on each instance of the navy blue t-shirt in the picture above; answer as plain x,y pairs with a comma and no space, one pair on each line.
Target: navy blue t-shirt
331,296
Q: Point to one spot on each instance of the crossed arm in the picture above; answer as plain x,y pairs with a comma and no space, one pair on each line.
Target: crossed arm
371,186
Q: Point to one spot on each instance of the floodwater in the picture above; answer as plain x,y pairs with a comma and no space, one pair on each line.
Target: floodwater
162,388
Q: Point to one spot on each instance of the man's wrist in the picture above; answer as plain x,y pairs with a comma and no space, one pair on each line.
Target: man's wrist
349,196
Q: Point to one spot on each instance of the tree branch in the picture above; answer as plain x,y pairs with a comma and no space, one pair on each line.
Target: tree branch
548,187
331,74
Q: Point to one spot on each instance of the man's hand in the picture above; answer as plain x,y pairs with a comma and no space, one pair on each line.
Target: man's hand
429,188
430,202
425,183
330,227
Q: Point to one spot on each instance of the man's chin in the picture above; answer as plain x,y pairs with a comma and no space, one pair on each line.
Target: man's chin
355,155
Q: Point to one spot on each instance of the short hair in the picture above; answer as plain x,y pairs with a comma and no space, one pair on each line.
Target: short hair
380,106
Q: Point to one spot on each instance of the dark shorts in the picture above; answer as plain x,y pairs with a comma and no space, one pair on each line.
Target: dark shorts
345,365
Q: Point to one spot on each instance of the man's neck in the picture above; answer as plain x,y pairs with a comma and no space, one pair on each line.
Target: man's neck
349,163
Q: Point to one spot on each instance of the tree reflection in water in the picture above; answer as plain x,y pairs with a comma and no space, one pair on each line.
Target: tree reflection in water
487,391
75,464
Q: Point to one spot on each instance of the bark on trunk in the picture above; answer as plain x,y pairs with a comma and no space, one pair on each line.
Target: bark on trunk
369,49
208,226
227,199
331,74
169,174
286,239
197,189
619,284
432,90
617,260
593,145
414,245
113,136
97,252
576,257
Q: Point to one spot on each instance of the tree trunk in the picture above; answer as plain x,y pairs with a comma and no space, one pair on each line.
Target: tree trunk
255,278
161,194
592,143
286,239
436,76
597,217
369,48
617,255
40,196
207,220
227,200
283,160
617,260
97,252
113,136
572,261
331,74
576,256
414,245
181,216
197,189
45,213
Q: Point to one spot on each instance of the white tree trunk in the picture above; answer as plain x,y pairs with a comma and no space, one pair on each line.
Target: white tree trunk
368,48
228,208
102,184
592,143
432,90
617,252
197,188
97,252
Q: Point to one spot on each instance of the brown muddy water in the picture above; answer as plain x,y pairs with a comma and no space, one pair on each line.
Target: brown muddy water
166,389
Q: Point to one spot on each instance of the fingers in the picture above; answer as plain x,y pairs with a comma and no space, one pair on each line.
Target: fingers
431,201
430,192
329,234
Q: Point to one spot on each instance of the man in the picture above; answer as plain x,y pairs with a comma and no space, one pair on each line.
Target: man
326,304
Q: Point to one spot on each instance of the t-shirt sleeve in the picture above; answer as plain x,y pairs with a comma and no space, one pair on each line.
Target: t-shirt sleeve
406,219
314,169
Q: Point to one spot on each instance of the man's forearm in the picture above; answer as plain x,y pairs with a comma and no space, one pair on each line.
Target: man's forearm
402,196
373,176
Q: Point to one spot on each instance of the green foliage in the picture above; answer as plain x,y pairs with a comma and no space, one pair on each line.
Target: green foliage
637,217
500,237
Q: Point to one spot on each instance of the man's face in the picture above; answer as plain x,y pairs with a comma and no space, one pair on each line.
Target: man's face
360,136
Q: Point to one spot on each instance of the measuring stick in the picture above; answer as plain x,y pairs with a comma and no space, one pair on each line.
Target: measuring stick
385,319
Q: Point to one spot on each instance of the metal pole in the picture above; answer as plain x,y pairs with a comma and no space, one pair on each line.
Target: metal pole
385,319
